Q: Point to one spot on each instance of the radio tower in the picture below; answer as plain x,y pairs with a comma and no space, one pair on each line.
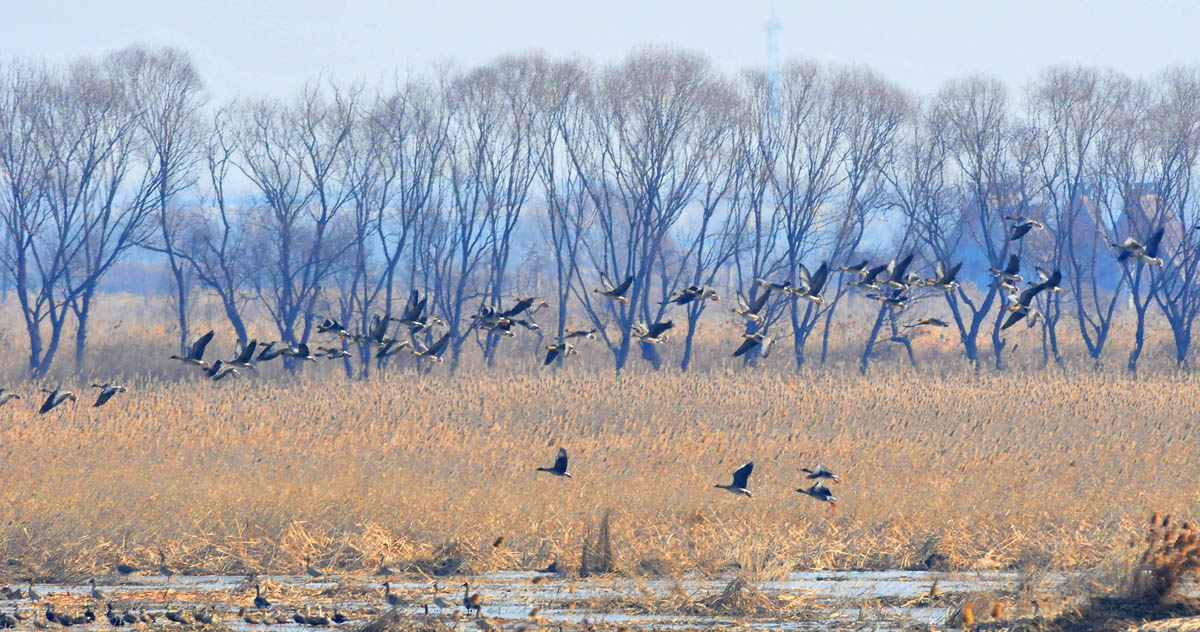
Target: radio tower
773,28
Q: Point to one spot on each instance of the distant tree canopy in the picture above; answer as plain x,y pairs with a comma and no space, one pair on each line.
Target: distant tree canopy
533,176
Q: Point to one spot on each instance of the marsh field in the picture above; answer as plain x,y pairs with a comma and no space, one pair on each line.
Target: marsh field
1005,487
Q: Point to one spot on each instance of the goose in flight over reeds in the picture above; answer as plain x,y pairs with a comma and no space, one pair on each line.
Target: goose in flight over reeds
692,293
1022,226
775,285
740,477
1148,252
271,351
244,356
1023,307
391,348
810,285
56,397
331,326
819,472
750,309
300,352
1052,281
560,465
895,299
867,280
434,352
651,333
195,351
565,349
928,321
820,492
590,334
7,396
1011,271
897,274
754,340
220,371
860,269
332,353
943,279
531,304
106,392
614,292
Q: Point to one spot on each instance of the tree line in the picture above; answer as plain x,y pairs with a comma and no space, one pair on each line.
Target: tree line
470,184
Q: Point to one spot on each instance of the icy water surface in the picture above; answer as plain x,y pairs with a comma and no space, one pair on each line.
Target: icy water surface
892,600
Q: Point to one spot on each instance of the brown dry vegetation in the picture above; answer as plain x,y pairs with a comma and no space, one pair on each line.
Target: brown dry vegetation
962,471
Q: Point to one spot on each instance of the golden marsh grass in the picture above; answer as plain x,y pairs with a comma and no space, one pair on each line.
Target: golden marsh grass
960,471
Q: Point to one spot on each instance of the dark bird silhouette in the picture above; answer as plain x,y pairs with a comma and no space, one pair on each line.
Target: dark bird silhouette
943,278
434,352
260,601
56,397
614,292
928,322
560,348
820,492
1023,226
244,356
219,371
532,303
1011,272
560,465
106,393
7,396
651,333
195,351
471,602
820,471
750,309
898,273
271,351
740,477
860,269
590,334
810,285
753,340
867,280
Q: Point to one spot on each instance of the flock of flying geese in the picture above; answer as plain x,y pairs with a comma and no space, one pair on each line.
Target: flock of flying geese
889,283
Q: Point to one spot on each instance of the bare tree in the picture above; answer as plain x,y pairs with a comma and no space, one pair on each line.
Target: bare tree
170,96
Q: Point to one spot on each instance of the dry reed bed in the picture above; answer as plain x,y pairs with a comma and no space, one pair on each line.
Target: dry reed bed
964,471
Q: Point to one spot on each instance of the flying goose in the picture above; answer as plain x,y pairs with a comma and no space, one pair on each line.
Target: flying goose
740,477
652,333
820,492
944,279
1011,272
753,340
220,371
1023,226
56,397
810,286
566,349
1148,252
614,292
895,299
434,352
1052,281
867,281
106,393
560,465
531,303
300,351
244,356
6,396
332,353
750,309
928,321
391,348
1023,306
820,471
774,285
330,326
692,293
271,351
590,334
897,274
860,269
195,351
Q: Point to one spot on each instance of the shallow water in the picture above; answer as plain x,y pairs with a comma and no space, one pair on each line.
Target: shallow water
888,600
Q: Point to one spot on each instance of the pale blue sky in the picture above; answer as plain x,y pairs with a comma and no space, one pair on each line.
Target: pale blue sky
259,48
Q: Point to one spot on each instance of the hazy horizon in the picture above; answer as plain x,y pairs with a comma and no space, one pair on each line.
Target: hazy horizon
266,49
